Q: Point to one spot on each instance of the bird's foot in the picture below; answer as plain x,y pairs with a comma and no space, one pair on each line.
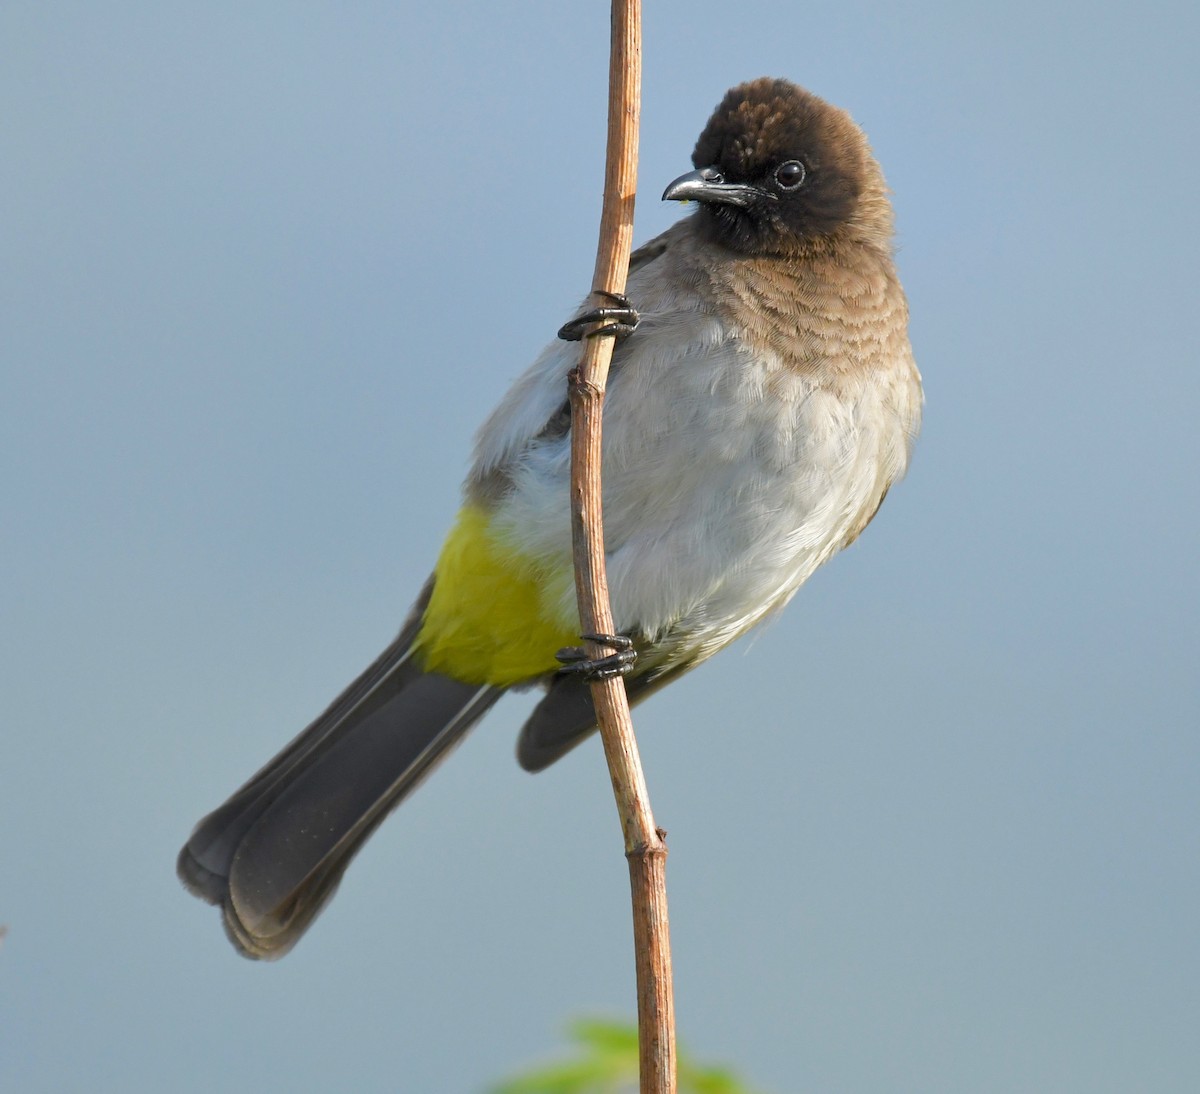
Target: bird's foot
576,662
620,321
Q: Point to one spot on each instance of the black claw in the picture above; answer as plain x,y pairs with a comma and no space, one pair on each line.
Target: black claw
616,641
576,662
620,321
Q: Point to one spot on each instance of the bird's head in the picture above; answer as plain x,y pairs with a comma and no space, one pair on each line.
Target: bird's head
779,170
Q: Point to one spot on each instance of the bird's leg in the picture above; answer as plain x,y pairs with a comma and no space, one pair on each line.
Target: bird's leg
575,661
620,321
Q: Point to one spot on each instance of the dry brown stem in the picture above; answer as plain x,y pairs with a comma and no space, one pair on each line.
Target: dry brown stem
644,845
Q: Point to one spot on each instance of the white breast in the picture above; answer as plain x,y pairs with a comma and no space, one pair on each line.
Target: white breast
728,478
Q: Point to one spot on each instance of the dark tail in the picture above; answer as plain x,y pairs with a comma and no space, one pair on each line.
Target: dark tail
274,853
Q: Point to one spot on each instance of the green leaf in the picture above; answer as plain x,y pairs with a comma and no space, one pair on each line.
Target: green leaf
607,1063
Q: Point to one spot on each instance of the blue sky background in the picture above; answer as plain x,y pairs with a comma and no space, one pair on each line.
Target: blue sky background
265,268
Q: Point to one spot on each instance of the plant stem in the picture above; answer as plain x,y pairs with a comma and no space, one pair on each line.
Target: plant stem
645,848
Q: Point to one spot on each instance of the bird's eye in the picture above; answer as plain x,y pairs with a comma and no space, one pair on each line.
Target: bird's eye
789,175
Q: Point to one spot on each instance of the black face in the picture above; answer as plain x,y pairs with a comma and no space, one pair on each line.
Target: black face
778,169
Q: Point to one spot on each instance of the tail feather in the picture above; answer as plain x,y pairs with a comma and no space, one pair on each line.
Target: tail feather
565,717
274,853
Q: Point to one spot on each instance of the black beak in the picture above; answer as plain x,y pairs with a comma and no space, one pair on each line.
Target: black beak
708,184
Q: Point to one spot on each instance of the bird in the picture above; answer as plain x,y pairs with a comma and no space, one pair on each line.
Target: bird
762,399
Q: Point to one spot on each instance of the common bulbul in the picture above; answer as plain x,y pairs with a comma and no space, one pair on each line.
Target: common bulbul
756,416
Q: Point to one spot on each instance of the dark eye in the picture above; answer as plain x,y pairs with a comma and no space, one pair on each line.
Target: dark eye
789,175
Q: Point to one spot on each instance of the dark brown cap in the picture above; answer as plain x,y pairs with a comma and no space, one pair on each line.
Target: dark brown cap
780,170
